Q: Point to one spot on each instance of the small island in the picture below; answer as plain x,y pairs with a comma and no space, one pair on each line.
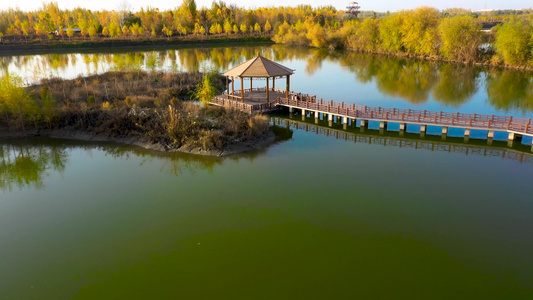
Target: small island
154,110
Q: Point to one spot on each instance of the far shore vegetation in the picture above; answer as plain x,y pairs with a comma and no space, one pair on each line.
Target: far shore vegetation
491,37
149,106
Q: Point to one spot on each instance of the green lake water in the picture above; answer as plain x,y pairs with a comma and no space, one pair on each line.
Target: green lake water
337,214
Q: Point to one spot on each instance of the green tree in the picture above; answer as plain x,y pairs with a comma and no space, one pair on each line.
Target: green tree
513,41
205,91
390,32
14,99
366,36
460,38
419,31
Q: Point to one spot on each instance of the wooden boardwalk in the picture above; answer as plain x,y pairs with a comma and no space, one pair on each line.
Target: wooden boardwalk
514,126
306,103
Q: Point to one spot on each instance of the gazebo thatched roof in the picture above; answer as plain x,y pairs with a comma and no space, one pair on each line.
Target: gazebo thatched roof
259,67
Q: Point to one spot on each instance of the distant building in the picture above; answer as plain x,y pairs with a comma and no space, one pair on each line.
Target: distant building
487,26
77,31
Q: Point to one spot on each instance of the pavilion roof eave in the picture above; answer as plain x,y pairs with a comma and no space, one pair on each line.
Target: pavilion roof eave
259,67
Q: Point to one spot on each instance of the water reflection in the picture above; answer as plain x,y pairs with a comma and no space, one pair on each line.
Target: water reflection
27,162
510,89
456,84
411,80
516,152
27,165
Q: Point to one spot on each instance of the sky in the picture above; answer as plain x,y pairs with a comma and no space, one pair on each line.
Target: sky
375,5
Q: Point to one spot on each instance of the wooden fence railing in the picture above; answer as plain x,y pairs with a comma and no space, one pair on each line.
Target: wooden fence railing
438,118
249,108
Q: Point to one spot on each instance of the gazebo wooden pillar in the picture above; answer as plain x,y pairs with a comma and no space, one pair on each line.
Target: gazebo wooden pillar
288,86
268,91
227,86
242,89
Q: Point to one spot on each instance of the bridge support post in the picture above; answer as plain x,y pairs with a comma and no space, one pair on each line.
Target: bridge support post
317,115
510,139
423,129
490,137
362,123
444,133
345,120
345,126
402,126
291,110
330,117
303,112
467,135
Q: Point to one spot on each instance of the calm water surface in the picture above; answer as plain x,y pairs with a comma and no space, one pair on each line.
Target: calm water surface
311,217
340,76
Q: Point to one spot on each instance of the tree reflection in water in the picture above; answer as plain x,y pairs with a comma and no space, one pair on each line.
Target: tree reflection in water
409,79
26,163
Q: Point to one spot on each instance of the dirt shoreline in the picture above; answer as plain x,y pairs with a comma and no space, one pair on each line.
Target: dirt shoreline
23,49
264,141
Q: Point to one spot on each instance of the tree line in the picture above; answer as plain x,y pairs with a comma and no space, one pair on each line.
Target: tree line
186,19
453,34
421,32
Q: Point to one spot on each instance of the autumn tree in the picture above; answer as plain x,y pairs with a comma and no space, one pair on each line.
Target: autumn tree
460,37
244,28
420,35
390,32
514,41
257,28
227,27
268,27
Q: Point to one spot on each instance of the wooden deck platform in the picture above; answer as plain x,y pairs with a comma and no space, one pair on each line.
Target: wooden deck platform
255,100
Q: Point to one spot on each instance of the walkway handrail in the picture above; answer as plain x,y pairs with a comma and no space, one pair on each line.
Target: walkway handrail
249,108
413,116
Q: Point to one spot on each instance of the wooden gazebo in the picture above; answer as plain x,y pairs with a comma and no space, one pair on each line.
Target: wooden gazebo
258,67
